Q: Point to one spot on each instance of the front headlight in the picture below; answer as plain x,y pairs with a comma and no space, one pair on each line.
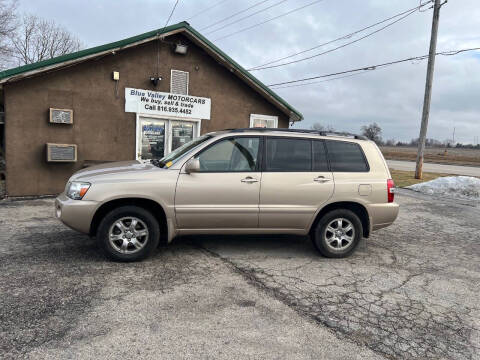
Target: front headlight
76,190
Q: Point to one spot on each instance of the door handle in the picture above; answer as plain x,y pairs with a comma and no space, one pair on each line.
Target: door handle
321,179
249,180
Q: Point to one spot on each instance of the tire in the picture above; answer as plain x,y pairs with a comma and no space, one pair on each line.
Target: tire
333,244
140,240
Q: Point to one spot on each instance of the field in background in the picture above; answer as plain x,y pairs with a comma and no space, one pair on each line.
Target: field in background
455,156
407,178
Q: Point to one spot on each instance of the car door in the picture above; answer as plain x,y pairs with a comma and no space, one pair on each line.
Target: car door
224,193
296,181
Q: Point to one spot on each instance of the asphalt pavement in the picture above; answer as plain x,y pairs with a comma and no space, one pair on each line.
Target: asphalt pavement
435,168
409,292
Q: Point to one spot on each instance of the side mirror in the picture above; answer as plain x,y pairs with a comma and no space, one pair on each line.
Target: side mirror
192,165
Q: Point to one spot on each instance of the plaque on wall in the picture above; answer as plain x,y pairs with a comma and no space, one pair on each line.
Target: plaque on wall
61,152
61,116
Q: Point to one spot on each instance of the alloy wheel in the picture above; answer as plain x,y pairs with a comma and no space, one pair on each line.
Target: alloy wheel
128,235
339,234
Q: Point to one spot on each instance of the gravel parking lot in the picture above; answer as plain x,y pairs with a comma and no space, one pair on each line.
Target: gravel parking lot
410,292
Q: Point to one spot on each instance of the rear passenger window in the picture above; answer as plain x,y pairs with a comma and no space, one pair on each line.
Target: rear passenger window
346,157
319,157
285,154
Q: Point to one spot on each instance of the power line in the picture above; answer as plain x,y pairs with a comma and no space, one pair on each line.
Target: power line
338,47
171,13
420,4
158,38
246,17
322,81
456,52
376,67
235,14
369,68
348,36
271,19
207,9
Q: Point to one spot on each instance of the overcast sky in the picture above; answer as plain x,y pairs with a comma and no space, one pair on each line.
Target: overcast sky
392,96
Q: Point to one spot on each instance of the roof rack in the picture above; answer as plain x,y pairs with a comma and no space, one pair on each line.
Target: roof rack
274,129
302,131
341,133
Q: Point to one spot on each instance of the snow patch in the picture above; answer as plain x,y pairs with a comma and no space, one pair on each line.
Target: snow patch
461,187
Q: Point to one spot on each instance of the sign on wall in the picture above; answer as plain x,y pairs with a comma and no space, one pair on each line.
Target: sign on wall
167,104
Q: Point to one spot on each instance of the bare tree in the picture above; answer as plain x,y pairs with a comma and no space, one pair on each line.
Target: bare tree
372,132
390,142
8,25
319,127
38,39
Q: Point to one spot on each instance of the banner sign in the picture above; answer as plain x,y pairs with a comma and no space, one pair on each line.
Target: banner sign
167,104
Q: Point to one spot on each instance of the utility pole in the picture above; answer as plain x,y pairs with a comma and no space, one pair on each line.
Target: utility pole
428,90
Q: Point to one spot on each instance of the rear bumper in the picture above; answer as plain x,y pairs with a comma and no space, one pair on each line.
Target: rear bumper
76,214
382,215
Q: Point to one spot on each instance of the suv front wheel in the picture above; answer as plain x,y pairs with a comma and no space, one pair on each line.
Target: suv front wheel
338,233
128,233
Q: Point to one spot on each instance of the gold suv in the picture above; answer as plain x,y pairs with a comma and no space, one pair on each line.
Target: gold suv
337,189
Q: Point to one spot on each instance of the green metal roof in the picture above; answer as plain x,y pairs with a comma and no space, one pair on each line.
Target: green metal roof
121,43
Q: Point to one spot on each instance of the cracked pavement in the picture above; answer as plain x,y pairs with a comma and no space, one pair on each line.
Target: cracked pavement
409,292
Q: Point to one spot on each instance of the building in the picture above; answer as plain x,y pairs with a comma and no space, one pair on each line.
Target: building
137,98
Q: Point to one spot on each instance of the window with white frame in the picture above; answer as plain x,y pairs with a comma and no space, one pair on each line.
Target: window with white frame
179,82
263,121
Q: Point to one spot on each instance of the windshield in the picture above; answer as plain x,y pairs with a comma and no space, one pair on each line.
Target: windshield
177,153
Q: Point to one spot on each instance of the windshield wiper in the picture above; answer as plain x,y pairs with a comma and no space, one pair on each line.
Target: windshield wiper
157,163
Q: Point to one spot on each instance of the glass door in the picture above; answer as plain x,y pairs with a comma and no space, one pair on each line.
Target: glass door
158,137
182,132
150,139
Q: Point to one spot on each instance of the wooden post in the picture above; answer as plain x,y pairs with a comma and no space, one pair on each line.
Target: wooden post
428,90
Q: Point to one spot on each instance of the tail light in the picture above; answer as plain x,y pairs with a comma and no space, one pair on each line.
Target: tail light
390,190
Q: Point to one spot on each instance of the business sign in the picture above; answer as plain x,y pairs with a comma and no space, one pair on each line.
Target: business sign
167,104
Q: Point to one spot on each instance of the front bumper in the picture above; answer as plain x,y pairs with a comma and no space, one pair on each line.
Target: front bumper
76,214
382,215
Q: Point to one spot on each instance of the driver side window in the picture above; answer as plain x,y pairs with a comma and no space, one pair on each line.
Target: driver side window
231,155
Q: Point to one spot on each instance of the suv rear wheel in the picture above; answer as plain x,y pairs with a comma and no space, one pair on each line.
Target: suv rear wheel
128,233
338,233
